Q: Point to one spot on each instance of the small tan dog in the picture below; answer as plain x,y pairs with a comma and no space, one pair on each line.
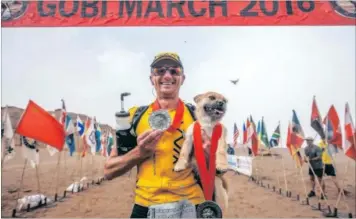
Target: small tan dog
210,109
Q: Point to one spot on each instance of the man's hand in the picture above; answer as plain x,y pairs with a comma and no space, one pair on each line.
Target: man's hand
147,141
305,159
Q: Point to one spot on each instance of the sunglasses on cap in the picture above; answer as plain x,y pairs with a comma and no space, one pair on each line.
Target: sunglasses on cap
160,71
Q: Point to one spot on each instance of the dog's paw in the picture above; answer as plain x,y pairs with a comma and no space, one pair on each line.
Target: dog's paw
180,165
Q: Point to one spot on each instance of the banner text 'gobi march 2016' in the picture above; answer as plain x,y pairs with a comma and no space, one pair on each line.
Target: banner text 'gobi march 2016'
176,13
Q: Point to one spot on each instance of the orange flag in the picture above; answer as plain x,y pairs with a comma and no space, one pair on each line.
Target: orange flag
38,124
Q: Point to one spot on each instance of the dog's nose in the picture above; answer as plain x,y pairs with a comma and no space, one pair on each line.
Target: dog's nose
220,103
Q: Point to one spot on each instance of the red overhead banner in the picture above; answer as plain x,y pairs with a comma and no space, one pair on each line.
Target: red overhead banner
176,13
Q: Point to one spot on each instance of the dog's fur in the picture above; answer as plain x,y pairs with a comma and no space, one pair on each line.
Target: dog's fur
210,109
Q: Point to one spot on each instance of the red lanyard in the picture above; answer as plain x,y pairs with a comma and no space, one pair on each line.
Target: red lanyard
177,118
207,175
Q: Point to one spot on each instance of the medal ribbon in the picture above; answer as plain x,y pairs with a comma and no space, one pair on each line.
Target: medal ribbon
177,118
207,174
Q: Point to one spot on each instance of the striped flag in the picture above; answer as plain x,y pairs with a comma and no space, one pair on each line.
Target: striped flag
275,137
236,135
244,132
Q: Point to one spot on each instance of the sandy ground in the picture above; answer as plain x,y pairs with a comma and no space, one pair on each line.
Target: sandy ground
115,198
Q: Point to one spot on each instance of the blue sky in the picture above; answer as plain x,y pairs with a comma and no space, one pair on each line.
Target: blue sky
280,69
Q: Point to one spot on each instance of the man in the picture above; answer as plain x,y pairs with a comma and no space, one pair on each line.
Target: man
156,151
313,155
329,169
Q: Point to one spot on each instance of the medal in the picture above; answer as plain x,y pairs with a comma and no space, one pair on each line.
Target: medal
177,118
160,120
207,209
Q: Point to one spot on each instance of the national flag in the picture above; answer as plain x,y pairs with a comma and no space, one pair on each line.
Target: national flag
85,144
275,137
259,133
30,151
80,127
104,144
315,120
62,118
350,135
236,135
253,123
52,150
70,130
333,127
70,143
89,136
252,139
97,136
40,125
110,143
332,148
297,133
8,137
293,150
244,130
264,135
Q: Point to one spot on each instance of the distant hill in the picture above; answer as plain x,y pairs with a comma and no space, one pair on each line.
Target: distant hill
16,112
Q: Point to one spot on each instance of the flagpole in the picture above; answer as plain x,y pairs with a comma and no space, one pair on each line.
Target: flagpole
21,181
57,176
318,183
283,164
38,179
341,193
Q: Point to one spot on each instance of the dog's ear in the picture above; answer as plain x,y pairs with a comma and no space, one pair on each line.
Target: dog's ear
198,97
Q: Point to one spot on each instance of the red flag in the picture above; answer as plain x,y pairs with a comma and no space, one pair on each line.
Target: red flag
40,125
289,139
350,135
294,152
252,139
333,120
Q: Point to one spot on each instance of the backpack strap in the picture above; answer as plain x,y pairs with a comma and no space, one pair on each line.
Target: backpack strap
137,116
191,109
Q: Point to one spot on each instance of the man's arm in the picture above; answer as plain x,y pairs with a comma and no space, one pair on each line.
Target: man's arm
116,165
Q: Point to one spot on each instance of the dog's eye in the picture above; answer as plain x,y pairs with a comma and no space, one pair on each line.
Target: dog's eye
211,97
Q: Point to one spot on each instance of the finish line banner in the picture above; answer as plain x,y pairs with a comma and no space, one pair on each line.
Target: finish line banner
176,13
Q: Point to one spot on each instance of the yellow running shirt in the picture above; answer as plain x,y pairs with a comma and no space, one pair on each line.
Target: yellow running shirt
157,183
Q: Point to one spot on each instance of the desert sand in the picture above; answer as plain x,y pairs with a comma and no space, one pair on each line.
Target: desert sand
115,198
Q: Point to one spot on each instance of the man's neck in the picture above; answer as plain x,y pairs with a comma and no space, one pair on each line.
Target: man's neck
168,103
